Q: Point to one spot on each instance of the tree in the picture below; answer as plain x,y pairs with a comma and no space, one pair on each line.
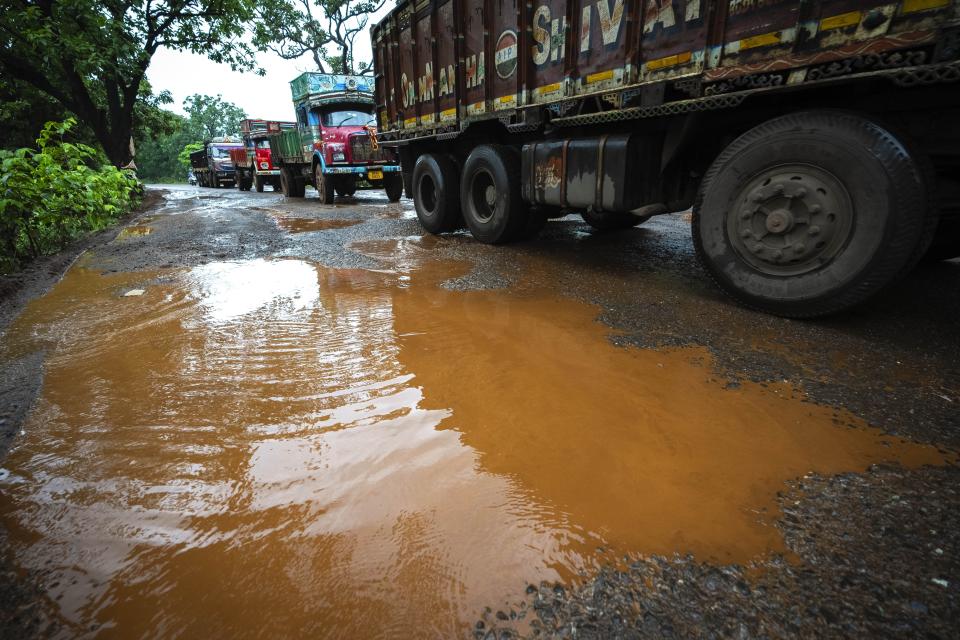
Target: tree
295,28
159,144
209,116
157,149
92,57
183,158
24,111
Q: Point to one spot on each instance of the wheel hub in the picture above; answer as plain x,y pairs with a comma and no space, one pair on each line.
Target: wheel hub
779,221
791,219
491,195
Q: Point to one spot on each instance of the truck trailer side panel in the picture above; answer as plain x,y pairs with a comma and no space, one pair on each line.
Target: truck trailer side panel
511,56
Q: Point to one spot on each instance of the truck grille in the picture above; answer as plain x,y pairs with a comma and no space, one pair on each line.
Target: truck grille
361,150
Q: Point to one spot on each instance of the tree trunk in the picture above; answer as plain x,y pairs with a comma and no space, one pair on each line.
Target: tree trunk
116,144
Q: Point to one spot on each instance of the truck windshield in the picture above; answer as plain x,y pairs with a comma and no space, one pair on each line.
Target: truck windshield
347,118
263,144
220,152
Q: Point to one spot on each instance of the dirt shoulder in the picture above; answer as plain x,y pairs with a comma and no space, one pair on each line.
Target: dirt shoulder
20,378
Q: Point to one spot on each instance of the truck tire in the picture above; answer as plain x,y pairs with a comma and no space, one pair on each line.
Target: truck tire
490,194
346,186
287,184
810,213
393,185
612,220
436,192
258,183
324,185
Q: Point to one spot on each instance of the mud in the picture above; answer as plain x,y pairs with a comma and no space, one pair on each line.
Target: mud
359,437
303,225
135,230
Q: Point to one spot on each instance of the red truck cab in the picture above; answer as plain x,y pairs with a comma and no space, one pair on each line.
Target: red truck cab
253,163
335,146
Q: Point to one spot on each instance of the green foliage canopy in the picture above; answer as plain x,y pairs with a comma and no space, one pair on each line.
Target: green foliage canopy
184,156
211,116
323,29
91,57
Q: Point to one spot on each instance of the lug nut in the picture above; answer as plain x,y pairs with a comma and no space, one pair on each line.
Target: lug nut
745,215
814,230
757,197
746,233
815,208
777,254
757,248
800,248
801,193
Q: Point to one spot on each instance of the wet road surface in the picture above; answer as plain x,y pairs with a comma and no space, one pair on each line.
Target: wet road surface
262,416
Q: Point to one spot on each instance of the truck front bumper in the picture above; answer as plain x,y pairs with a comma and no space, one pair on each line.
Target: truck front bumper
362,170
268,172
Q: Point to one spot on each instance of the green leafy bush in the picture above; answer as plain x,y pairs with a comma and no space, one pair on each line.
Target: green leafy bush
53,194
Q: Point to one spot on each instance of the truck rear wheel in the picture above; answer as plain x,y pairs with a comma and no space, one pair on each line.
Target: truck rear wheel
291,184
436,192
810,213
393,185
490,195
612,220
323,184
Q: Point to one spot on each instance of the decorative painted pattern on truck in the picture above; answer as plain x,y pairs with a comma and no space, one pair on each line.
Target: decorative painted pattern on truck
432,75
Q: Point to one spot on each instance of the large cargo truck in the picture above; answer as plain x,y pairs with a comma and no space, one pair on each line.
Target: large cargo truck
334,144
817,141
253,165
212,165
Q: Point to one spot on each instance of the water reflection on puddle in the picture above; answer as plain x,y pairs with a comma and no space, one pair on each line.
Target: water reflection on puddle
302,225
276,447
135,231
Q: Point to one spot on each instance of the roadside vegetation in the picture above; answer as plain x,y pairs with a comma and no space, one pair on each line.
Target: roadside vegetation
55,192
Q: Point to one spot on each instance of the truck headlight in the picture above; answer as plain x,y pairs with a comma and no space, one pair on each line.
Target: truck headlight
339,157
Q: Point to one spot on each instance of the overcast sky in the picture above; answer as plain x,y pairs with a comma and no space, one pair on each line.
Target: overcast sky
267,97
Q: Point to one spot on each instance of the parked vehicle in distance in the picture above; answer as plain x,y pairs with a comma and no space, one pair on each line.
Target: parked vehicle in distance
212,165
252,163
334,145
817,142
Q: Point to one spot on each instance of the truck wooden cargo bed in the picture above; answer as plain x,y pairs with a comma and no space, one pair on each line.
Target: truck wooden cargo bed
441,64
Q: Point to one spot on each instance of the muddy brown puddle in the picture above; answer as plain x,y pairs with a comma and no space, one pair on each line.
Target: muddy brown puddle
135,231
275,447
302,225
